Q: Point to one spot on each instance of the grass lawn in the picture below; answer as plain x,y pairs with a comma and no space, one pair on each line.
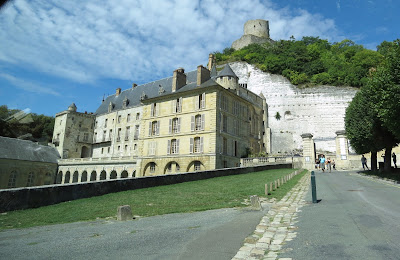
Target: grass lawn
393,175
222,192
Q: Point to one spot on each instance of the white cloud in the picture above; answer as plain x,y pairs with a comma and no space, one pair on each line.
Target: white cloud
141,40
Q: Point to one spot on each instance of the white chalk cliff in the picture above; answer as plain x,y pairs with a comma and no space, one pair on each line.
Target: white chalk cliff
317,110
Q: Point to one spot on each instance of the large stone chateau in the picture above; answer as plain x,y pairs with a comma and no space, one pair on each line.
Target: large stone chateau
199,120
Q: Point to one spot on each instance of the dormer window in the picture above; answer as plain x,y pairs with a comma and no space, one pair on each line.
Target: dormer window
125,103
110,107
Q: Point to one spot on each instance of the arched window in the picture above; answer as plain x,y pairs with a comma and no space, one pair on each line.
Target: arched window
103,175
12,180
31,179
84,176
93,176
113,175
124,174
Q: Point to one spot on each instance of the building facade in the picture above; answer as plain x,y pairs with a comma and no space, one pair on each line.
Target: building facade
200,120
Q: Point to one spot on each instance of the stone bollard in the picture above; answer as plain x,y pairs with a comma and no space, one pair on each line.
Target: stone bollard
279,182
276,187
255,202
124,213
266,189
270,186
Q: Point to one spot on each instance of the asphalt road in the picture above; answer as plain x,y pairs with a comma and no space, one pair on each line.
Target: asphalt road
357,218
214,234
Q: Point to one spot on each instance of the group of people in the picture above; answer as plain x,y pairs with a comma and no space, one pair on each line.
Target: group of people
364,161
321,162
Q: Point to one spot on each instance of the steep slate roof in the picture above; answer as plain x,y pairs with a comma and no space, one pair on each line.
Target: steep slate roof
150,89
227,71
16,149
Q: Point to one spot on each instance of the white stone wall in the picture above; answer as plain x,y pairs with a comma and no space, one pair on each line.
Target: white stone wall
318,110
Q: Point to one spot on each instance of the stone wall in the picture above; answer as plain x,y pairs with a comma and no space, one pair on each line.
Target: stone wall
33,197
318,110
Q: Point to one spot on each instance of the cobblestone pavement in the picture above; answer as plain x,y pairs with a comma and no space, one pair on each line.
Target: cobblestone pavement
276,227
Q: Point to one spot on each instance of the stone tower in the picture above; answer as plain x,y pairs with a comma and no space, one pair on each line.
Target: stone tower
255,31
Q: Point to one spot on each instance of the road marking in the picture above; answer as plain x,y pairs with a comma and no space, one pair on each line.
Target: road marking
375,180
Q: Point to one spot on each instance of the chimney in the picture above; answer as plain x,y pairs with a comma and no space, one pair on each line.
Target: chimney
134,85
203,75
118,92
211,61
178,79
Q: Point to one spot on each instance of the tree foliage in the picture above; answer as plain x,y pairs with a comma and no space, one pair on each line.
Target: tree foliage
41,128
310,60
372,118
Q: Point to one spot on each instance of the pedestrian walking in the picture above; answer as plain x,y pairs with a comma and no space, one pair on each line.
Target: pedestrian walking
328,164
394,159
316,163
364,162
322,163
333,164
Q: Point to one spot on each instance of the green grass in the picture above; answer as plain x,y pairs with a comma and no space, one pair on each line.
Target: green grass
393,175
222,192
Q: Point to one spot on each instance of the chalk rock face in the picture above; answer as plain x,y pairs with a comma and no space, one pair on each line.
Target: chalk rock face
317,110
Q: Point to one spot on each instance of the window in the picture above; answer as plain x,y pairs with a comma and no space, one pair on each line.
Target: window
197,166
152,167
152,148
102,150
224,103
127,132
108,149
225,146
134,147
198,122
60,122
200,101
104,135
136,136
236,127
126,148
119,135
154,128
154,109
235,148
12,180
31,179
137,116
196,145
119,119
105,123
174,125
95,137
119,148
128,118
236,108
77,138
110,135
85,137
177,105
225,123
173,146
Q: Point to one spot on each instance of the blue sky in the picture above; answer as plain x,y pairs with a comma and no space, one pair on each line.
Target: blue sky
53,53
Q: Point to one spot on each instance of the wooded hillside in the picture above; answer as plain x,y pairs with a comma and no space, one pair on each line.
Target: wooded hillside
310,61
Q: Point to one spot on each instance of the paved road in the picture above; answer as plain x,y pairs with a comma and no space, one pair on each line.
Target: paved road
357,218
214,234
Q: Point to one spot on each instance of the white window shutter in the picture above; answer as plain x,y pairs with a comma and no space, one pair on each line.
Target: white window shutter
180,104
191,145
170,126
192,124
202,121
203,100
158,128
201,144
179,125
169,147
177,146
174,106
196,103
157,109
154,147
152,110
149,128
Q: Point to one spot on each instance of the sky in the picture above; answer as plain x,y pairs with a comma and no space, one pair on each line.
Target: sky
54,53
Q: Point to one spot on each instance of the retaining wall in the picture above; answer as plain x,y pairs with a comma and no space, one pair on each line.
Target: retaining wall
33,197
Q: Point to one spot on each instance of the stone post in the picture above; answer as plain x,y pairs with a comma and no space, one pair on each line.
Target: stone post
308,151
342,150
